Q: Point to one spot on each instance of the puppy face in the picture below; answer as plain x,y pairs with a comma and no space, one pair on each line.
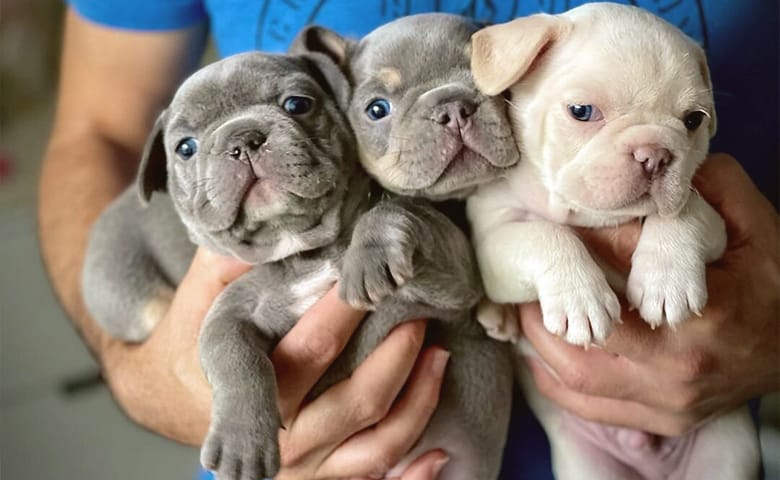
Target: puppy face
423,129
612,104
258,156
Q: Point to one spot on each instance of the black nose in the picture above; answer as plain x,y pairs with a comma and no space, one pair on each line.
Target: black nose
454,114
248,141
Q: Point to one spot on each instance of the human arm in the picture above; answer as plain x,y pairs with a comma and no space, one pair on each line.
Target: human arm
668,381
113,84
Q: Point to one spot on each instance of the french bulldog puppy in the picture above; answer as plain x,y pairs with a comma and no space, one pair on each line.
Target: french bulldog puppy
259,163
425,132
612,110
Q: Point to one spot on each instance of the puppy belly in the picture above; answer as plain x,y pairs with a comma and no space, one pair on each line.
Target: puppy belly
725,448
650,456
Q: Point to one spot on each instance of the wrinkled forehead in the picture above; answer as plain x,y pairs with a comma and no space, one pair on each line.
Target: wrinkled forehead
414,51
654,67
236,83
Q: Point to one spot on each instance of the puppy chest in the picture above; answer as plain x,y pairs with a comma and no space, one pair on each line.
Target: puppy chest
311,286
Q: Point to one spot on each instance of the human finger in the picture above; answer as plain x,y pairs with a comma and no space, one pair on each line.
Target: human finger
373,452
611,411
749,215
357,402
206,277
427,466
305,352
600,371
615,245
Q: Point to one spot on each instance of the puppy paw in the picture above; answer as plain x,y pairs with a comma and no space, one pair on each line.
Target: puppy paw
666,289
241,446
499,321
376,267
580,307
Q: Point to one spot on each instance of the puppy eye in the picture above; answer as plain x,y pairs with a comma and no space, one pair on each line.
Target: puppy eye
693,120
379,108
297,105
585,113
187,148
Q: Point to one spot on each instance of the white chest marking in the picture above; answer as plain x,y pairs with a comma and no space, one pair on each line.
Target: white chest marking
311,288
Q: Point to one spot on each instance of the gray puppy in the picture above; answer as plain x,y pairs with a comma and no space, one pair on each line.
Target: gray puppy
425,131
259,163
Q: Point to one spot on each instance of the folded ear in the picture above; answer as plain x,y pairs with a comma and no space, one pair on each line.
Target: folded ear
152,173
501,54
329,52
316,39
332,78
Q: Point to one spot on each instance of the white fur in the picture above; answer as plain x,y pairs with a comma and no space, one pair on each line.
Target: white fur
311,288
645,75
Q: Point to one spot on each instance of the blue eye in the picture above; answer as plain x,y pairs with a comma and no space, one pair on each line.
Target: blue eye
585,113
379,108
187,148
297,105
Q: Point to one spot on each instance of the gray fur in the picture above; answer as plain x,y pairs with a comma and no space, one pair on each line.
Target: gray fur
405,249
294,226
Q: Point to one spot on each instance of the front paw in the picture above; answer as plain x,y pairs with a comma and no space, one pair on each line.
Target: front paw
499,321
241,446
375,270
580,307
666,289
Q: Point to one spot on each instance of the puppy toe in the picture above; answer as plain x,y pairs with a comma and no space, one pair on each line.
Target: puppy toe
578,330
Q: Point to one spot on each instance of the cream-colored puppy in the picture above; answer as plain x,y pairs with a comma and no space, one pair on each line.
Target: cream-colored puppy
612,110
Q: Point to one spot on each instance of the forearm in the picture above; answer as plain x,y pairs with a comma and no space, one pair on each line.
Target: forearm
80,177
112,85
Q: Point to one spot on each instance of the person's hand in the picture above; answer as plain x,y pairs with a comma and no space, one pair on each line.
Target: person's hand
165,369
356,428
353,429
669,381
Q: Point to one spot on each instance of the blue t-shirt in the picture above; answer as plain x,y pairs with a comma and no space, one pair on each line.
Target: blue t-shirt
740,39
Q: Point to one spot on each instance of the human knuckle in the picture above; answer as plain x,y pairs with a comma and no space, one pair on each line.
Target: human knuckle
576,379
381,460
694,364
369,409
685,400
317,348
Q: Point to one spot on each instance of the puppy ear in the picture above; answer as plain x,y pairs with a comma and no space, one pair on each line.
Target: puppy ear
152,173
331,77
502,54
316,39
705,73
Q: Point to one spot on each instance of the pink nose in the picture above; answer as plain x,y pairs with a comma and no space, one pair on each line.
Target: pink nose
653,159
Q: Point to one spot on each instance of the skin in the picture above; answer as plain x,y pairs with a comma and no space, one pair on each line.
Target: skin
113,84
669,381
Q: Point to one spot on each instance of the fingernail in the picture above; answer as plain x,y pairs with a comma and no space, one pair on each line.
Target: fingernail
439,465
440,358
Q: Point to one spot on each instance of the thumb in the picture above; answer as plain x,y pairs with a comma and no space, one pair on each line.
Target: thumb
426,467
207,276
615,245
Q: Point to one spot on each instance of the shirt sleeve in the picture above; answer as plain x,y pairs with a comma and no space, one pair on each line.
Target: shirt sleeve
141,14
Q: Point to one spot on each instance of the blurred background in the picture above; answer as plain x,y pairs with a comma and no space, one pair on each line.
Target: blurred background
57,421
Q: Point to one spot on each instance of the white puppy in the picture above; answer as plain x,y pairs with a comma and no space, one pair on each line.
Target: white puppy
612,109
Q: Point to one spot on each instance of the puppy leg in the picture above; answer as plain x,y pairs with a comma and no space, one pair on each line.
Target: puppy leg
732,440
242,442
667,279
525,261
127,285
400,240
